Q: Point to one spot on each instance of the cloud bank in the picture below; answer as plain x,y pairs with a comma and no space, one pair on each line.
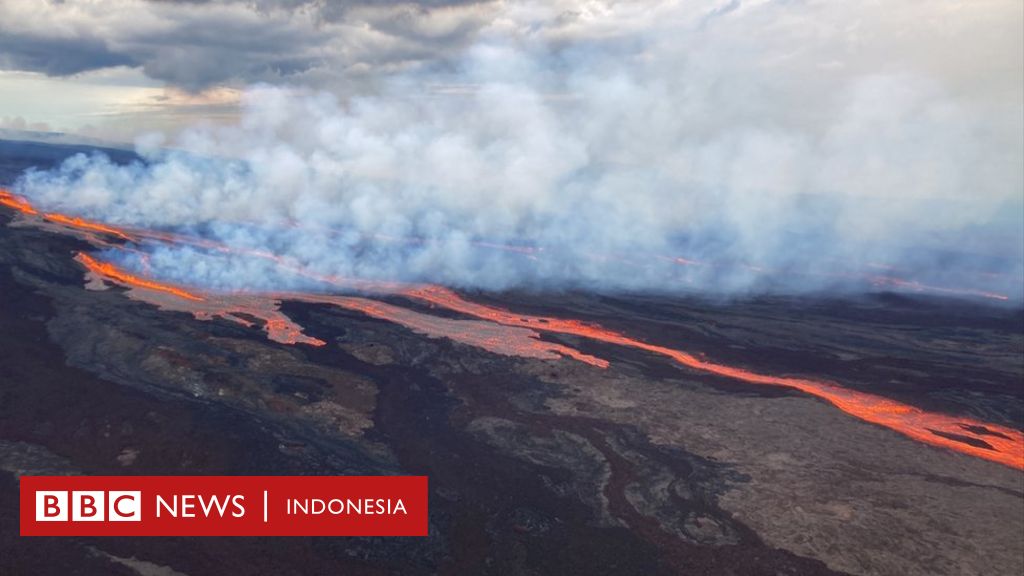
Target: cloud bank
722,148
198,45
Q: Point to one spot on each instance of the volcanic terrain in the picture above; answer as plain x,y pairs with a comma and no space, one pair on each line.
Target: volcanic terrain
563,433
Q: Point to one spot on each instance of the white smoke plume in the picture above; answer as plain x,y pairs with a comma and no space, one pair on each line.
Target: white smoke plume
782,146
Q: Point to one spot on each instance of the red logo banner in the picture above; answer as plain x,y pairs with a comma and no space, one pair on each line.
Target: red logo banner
223,505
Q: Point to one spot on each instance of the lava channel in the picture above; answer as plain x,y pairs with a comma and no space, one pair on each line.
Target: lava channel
1000,444
241,307
988,441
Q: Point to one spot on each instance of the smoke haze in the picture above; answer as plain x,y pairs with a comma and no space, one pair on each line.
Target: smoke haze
780,146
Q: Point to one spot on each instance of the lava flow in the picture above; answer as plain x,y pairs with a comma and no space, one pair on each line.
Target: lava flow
915,286
67,222
240,307
113,272
989,441
82,224
506,340
16,202
505,332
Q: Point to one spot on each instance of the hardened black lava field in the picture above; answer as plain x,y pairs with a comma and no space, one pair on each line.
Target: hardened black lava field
539,462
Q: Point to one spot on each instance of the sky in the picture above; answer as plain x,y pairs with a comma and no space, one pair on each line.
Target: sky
120,67
813,136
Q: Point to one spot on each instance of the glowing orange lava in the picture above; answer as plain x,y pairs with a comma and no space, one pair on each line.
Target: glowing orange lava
82,224
282,329
506,340
16,202
1005,445
520,337
25,207
239,307
113,272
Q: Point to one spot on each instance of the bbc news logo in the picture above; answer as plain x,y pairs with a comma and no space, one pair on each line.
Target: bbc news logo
88,506
223,506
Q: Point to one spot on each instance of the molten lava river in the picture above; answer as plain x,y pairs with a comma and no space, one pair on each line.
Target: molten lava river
488,327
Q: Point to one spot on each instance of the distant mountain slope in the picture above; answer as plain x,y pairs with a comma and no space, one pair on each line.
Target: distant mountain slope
16,156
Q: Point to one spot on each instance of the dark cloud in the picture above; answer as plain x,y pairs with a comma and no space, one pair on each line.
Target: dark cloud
194,44
194,53
58,56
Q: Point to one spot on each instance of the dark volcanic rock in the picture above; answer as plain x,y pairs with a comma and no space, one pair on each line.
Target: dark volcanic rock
535,466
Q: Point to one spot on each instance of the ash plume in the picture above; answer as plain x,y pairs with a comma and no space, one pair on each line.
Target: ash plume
724,150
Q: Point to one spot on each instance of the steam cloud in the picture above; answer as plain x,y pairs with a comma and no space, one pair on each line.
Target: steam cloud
781,156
